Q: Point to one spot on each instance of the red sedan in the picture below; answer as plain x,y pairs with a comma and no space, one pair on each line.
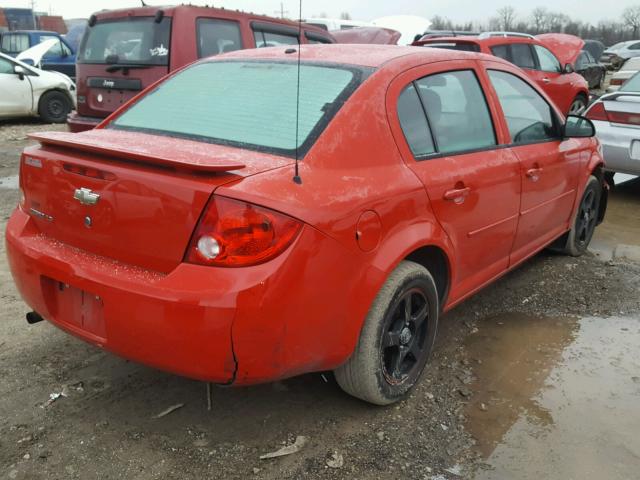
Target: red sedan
176,234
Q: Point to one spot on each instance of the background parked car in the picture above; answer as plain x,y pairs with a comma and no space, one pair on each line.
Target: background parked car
628,70
613,57
549,59
595,48
26,91
125,51
616,117
593,71
61,57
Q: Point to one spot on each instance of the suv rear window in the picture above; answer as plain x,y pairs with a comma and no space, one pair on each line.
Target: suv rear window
248,104
135,40
13,43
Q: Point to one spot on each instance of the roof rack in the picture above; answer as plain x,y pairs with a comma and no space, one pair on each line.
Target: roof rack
484,35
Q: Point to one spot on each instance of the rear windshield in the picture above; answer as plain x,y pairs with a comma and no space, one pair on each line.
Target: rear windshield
462,46
13,43
136,40
246,104
631,85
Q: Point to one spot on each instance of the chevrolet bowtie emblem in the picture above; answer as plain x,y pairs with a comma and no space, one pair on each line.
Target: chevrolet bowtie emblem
86,196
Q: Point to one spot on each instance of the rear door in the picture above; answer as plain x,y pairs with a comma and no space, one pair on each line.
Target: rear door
549,165
448,138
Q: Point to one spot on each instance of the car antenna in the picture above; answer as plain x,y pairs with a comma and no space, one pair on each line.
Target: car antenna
296,178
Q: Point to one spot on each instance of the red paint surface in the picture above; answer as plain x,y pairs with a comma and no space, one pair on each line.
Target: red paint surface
303,310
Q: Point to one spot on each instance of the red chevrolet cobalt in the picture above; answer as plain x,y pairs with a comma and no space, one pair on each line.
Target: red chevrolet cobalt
178,233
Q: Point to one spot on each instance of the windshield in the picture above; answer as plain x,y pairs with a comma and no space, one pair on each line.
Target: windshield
631,85
247,104
136,40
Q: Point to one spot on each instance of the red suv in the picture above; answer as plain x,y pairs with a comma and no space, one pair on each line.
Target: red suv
125,51
218,228
549,59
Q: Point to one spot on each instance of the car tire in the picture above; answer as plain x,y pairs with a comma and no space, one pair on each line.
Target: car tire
585,221
578,105
396,339
54,107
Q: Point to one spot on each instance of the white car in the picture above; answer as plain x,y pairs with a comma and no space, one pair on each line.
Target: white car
614,57
616,117
27,91
627,71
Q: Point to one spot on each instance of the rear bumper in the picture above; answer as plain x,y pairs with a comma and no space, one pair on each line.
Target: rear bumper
295,314
78,123
616,147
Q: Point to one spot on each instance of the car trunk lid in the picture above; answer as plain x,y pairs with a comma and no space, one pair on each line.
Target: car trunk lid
128,196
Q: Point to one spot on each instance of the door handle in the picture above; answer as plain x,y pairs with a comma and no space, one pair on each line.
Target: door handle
457,195
546,80
534,173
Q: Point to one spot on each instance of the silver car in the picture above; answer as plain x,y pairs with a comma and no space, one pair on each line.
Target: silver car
616,117
614,57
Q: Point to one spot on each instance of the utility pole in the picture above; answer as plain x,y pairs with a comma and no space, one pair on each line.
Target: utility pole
282,12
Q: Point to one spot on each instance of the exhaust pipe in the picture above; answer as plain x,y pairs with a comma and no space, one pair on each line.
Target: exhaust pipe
33,317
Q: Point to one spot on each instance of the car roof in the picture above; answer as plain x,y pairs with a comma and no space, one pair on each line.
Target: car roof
359,55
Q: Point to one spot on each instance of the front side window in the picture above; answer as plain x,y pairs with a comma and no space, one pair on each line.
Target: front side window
15,43
547,60
269,39
217,36
135,40
251,105
583,60
6,66
457,111
529,117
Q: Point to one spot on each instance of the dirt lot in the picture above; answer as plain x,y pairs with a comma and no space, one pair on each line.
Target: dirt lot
535,377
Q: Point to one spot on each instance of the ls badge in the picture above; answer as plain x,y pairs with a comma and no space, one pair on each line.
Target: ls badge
86,196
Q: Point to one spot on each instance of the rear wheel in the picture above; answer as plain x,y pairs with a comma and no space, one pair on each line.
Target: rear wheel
584,223
54,107
396,339
578,105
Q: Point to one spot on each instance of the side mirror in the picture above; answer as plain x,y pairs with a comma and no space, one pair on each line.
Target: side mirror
579,127
18,70
568,68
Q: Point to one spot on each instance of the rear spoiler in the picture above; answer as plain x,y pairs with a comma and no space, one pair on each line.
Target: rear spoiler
144,148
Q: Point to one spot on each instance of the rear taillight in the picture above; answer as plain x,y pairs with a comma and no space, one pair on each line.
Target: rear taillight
616,81
597,112
232,233
624,118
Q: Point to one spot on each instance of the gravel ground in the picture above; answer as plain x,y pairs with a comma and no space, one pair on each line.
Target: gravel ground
104,426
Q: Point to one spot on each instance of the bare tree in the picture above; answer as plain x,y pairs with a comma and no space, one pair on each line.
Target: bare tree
506,17
345,16
631,18
539,18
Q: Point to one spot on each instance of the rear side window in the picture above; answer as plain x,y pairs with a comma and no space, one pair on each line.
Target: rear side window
217,36
521,55
501,51
269,39
635,46
414,122
547,60
529,117
457,115
460,46
245,104
457,111
15,43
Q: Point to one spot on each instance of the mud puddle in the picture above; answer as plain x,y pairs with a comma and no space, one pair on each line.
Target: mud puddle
10,182
556,397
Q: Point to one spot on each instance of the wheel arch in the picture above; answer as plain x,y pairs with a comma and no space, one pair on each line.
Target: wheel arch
434,259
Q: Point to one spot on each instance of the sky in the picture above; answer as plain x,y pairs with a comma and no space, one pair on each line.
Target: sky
457,10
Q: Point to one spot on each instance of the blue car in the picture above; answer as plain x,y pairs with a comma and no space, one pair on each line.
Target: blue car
60,58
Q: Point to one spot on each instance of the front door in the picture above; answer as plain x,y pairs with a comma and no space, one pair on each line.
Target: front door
15,94
449,140
549,165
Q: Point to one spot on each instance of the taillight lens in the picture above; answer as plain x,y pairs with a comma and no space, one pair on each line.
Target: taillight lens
616,81
232,233
597,112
